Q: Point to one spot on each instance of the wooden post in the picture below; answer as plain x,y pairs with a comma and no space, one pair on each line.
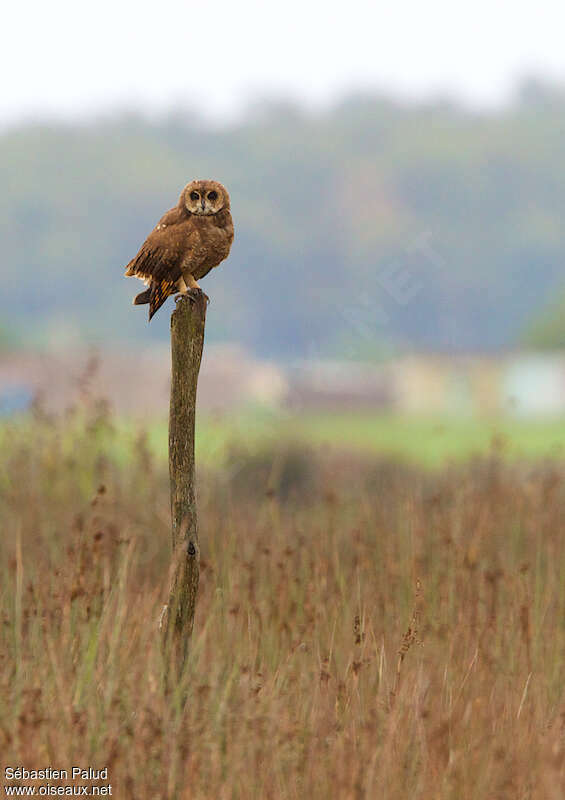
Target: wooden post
187,340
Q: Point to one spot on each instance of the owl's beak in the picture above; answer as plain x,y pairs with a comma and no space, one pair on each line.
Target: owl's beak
202,203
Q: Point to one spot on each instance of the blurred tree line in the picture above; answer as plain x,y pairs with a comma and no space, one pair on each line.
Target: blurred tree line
372,225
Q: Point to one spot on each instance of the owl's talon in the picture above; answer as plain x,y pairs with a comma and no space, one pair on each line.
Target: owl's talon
194,294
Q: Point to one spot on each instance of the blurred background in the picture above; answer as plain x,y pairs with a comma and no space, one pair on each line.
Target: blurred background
398,188
381,406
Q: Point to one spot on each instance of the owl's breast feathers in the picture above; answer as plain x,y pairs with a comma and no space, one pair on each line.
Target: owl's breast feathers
181,244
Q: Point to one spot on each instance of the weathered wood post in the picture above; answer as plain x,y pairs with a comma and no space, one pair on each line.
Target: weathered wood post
187,340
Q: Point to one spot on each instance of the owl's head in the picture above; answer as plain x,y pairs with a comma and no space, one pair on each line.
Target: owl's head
204,197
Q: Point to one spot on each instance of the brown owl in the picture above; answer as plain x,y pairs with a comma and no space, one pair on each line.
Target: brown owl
187,242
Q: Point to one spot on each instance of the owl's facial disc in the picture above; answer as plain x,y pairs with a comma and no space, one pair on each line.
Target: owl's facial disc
204,197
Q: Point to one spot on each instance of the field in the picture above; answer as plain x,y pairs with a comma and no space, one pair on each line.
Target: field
428,442
366,626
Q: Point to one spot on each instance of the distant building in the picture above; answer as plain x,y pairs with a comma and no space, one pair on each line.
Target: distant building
534,385
340,385
435,385
439,385
137,384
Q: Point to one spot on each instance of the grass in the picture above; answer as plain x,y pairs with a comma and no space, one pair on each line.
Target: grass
424,441
431,442
365,628
428,442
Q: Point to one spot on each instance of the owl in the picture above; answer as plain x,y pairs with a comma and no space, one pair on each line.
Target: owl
187,242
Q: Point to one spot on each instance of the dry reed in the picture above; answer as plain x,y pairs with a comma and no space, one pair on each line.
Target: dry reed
284,700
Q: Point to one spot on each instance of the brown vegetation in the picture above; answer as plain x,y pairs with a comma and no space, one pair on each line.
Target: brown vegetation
387,633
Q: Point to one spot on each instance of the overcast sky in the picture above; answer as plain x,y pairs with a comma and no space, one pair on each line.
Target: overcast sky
63,57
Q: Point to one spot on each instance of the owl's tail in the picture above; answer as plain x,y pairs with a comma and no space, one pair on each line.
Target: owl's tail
155,295
142,298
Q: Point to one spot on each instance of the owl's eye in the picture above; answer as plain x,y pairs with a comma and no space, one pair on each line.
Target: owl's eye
212,196
194,195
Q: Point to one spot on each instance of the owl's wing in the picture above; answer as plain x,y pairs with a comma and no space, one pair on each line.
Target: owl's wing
159,262
161,254
155,262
